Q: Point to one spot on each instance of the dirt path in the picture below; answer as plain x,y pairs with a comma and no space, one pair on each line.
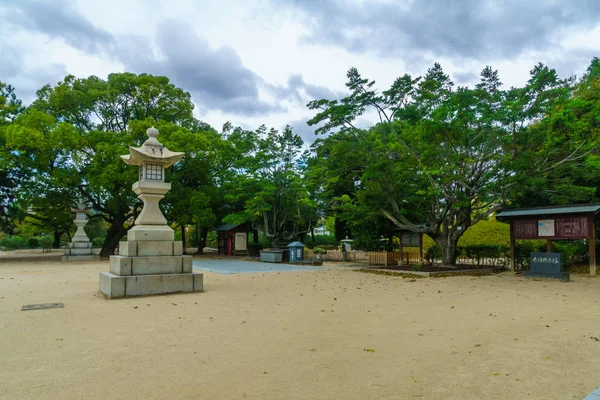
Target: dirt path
309,335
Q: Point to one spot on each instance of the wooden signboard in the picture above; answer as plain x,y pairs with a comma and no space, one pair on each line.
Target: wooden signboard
558,228
411,240
241,240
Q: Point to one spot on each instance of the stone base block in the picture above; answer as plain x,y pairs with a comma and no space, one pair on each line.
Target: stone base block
123,266
187,264
563,276
134,248
120,265
79,252
114,286
88,257
150,232
81,245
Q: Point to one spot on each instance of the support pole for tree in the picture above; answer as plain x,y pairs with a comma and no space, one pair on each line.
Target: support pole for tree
512,247
420,248
592,244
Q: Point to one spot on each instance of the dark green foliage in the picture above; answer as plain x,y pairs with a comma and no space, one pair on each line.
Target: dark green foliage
33,243
444,158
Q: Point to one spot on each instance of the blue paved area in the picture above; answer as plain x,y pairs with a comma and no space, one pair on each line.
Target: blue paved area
241,267
595,395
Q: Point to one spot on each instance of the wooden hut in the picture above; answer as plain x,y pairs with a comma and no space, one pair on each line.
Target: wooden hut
232,239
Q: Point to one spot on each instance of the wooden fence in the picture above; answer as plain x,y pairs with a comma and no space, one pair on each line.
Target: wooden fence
370,257
387,258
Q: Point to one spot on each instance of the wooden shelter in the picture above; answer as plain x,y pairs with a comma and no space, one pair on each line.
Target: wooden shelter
553,223
232,239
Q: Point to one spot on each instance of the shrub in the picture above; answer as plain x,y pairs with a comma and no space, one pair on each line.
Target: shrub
13,242
46,240
433,253
319,250
33,243
98,241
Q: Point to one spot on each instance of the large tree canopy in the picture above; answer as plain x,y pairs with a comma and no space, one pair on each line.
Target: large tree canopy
439,158
72,134
444,158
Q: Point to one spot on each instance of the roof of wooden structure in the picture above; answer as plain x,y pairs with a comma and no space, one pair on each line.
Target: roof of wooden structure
227,227
543,211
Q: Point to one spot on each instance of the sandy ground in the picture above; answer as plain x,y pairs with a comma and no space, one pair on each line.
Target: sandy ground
335,334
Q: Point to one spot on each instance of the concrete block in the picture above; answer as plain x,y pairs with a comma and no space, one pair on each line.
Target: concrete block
154,248
111,285
89,257
128,248
81,245
158,284
76,251
156,265
178,248
120,265
187,264
150,232
198,282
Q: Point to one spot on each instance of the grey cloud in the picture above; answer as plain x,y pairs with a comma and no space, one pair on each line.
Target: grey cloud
11,62
296,89
301,128
466,78
474,29
216,78
27,79
57,19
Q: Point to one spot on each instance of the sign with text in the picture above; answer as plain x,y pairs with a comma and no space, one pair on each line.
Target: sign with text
546,228
572,228
525,229
411,239
559,228
546,262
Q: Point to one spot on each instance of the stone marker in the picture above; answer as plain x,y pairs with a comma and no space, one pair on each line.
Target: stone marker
547,265
150,261
42,306
80,247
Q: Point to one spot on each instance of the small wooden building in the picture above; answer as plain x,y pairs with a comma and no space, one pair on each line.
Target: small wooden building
553,223
232,239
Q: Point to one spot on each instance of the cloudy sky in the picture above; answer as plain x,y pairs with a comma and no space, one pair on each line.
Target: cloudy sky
256,62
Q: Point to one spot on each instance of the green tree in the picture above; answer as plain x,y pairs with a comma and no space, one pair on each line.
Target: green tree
450,157
72,134
10,173
269,183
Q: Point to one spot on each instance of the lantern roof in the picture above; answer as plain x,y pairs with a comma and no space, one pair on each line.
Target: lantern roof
81,206
152,151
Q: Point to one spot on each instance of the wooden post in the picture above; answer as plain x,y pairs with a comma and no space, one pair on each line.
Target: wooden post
592,243
549,245
512,248
420,248
401,251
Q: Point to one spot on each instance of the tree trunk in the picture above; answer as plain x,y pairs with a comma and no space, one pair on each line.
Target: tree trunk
203,231
255,236
448,243
114,234
182,227
56,243
312,234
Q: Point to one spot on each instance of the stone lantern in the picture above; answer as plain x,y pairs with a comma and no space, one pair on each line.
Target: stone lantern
150,261
80,248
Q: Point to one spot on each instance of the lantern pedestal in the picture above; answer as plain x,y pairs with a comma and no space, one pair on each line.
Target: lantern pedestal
80,248
150,261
